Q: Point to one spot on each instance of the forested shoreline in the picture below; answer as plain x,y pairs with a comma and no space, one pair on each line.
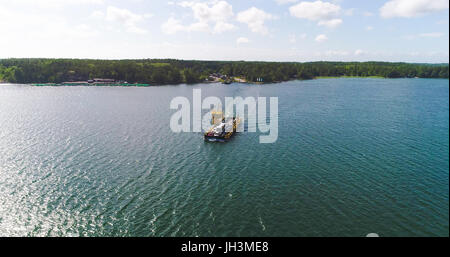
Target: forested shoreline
170,71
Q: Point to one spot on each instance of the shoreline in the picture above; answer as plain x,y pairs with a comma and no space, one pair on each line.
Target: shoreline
204,82
351,77
169,71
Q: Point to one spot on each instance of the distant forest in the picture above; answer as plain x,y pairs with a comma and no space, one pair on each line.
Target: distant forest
169,71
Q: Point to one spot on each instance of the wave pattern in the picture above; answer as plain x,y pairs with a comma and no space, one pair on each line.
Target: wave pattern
354,156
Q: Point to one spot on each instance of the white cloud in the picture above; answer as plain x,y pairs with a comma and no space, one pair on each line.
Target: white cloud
369,28
124,17
255,18
98,15
315,11
349,12
242,40
359,52
40,28
431,34
210,12
286,1
412,8
148,15
54,3
336,53
330,23
293,38
326,14
172,26
198,27
321,38
216,13
424,35
223,26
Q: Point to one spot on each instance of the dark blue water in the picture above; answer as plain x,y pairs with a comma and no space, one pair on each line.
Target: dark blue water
353,156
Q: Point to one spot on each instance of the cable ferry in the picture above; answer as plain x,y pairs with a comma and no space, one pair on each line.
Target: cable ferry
223,128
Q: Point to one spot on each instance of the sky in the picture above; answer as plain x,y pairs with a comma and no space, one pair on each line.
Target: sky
252,30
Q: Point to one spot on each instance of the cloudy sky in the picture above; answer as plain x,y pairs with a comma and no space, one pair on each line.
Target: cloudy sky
267,30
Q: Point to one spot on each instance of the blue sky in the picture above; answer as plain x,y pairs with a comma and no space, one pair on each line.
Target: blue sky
269,30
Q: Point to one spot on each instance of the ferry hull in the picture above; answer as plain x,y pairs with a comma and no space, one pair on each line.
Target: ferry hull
215,139
218,132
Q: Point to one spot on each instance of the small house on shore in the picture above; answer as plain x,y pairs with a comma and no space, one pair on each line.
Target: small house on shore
99,80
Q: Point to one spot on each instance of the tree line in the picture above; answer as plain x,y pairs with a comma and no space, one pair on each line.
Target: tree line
170,71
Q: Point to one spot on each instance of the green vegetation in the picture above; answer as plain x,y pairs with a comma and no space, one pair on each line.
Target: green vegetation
169,71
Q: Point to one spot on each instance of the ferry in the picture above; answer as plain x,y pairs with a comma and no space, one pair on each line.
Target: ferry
223,128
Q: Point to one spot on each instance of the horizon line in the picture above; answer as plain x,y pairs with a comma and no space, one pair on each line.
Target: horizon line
204,60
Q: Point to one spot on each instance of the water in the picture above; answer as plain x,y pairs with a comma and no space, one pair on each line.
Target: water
354,156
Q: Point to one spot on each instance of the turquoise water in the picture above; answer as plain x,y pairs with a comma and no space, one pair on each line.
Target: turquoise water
353,156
